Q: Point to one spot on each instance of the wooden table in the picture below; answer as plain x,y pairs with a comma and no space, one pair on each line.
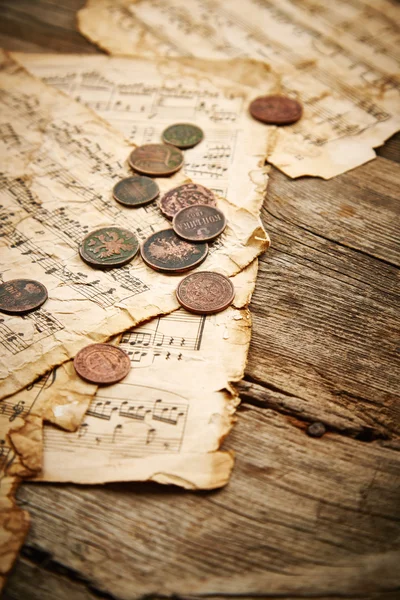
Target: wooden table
302,517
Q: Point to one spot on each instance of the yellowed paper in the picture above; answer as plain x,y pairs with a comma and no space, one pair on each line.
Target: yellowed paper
340,60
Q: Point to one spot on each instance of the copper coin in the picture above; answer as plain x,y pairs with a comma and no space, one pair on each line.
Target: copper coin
165,251
185,195
136,191
21,295
183,135
205,292
109,247
199,223
156,159
276,110
102,363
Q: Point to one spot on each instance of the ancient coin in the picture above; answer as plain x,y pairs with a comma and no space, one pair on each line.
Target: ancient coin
205,292
135,191
165,251
21,295
109,247
183,196
182,135
199,223
276,110
156,159
102,363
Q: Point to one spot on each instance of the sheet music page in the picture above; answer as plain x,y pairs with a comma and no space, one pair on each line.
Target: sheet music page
60,164
339,59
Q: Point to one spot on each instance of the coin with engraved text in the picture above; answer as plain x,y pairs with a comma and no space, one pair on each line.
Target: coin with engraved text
109,247
165,251
199,223
102,363
183,196
136,191
18,296
205,292
156,159
183,135
276,110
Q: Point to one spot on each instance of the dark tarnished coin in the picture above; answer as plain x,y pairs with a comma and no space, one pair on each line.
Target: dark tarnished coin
182,135
185,195
135,191
21,295
199,223
156,159
109,247
205,292
102,363
165,251
276,110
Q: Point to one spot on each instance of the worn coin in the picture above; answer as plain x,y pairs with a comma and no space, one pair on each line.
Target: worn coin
109,247
165,251
276,110
205,292
199,223
135,191
185,195
21,295
182,135
156,159
102,363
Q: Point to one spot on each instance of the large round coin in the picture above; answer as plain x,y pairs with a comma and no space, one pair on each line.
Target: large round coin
21,295
205,292
136,191
109,247
156,159
183,135
102,363
199,223
165,251
185,195
276,110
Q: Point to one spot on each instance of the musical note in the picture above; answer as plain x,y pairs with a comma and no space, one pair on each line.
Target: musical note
17,410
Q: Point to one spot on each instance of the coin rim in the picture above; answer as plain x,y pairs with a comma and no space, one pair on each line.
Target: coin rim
154,173
170,217
209,239
204,312
26,310
138,203
102,265
169,270
277,121
182,146
102,382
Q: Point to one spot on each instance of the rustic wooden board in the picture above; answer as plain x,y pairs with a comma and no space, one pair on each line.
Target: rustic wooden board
302,518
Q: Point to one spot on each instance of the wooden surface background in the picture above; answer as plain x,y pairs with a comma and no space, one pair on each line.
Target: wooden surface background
302,517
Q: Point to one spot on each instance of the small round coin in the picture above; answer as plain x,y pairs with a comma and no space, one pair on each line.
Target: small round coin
276,110
18,296
136,191
185,195
165,251
156,159
109,247
199,223
205,293
183,135
102,363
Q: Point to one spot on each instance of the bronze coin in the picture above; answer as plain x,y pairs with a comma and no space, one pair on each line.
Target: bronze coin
165,251
185,195
183,135
18,296
156,159
102,363
199,223
109,247
276,110
136,191
205,292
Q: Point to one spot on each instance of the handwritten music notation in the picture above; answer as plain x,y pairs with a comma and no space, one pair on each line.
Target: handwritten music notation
44,324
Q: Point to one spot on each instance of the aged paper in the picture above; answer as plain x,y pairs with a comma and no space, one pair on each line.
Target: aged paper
60,164
340,60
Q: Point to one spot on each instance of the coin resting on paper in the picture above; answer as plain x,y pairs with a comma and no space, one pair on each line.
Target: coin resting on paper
136,191
19,296
109,247
205,292
165,251
156,159
276,110
185,195
199,223
102,364
183,135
